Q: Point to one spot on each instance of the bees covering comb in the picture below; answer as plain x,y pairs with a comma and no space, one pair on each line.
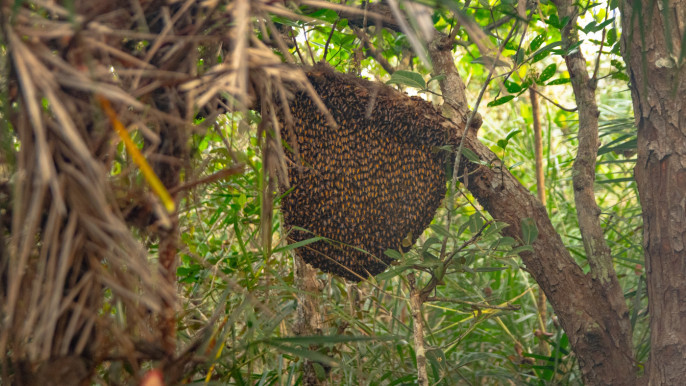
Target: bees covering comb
370,184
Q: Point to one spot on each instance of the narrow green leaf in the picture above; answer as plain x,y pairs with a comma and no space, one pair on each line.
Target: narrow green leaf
512,133
391,273
488,61
529,230
523,248
490,269
617,64
616,180
512,87
308,354
547,73
470,155
408,78
440,229
500,101
604,24
540,56
436,78
558,81
326,339
620,76
589,27
611,36
298,244
393,254
537,42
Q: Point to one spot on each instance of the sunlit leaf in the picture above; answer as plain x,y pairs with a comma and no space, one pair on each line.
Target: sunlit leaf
500,101
408,78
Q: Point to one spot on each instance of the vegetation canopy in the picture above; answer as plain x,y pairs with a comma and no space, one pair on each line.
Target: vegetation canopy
315,192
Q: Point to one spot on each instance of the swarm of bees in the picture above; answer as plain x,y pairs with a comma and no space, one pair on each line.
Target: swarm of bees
369,184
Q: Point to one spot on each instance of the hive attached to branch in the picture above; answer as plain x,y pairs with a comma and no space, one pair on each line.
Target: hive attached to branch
371,183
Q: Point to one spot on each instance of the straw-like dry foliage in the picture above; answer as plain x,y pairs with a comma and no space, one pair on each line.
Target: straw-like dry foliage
73,74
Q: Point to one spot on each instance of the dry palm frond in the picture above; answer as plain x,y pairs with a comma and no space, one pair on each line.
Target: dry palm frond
71,257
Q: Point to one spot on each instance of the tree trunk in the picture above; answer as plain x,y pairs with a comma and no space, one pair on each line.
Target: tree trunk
651,45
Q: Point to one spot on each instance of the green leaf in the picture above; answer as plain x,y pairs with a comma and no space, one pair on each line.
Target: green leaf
502,143
491,269
408,78
319,371
547,73
619,145
616,180
604,24
326,339
391,273
573,48
537,42
470,155
611,36
589,27
438,362
429,260
440,229
558,81
298,244
523,248
519,57
620,76
541,55
617,64
504,242
512,87
529,230
475,222
393,254
512,133
308,354
429,242
500,101
436,78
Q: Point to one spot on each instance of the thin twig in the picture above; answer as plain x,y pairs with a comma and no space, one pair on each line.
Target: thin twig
509,307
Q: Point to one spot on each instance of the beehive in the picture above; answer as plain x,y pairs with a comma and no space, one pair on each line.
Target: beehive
371,184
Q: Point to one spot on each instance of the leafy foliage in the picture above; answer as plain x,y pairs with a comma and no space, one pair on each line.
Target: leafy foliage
237,282
368,328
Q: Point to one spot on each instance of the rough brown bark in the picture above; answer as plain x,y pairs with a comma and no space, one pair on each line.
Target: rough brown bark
418,331
651,45
309,320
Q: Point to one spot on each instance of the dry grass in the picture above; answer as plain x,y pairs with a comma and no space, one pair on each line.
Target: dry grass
70,256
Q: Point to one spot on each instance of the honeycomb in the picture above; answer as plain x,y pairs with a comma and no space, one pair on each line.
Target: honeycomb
371,184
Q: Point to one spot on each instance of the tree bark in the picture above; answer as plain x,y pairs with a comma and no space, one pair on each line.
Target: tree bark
651,45
309,319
